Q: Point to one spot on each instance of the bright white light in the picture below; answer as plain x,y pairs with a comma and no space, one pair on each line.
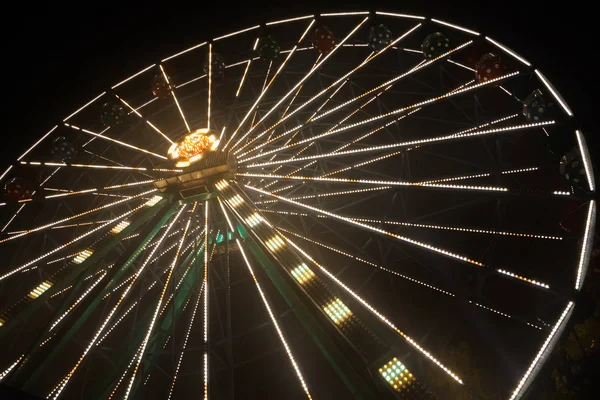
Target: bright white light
586,245
87,104
133,76
378,314
282,21
236,33
528,377
585,156
369,227
33,147
460,28
183,52
399,15
555,94
509,51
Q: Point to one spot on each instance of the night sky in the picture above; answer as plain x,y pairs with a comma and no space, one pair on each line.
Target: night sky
58,58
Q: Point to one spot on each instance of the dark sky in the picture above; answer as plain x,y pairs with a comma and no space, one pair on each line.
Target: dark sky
56,58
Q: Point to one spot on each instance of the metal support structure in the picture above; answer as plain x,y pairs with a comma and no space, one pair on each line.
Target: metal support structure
342,366
27,382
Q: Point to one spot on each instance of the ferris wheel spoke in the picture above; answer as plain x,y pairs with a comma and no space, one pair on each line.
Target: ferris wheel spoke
162,69
96,166
185,341
119,142
543,354
375,312
237,94
337,82
388,84
308,75
53,224
372,228
66,244
456,187
78,301
419,142
150,124
268,307
109,318
413,280
266,88
294,131
328,194
159,303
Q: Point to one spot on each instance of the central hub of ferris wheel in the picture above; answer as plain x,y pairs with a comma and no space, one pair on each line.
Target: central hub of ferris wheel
202,164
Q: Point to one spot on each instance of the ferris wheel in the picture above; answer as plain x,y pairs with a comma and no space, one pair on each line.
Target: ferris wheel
358,205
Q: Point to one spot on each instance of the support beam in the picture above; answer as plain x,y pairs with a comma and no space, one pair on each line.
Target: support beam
342,366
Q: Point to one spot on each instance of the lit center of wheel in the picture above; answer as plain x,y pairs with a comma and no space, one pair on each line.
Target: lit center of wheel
202,165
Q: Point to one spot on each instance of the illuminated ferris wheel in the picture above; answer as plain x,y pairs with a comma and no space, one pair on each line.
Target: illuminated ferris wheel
347,205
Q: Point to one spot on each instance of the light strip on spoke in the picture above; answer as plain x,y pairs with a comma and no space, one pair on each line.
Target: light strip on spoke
184,51
585,156
338,81
509,51
107,320
460,28
236,33
66,244
101,136
87,104
133,76
384,319
174,97
34,146
403,144
205,284
308,75
265,89
543,353
399,15
371,228
136,112
157,308
268,307
554,93
586,245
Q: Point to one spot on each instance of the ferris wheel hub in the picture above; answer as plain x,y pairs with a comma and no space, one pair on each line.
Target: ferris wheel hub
196,180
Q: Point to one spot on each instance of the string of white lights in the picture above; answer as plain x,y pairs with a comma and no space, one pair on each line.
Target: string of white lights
374,182
268,308
375,312
205,284
76,302
157,308
408,278
60,221
542,354
343,78
124,144
66,244
403,144
108,319
267,87
175,97
185,341
150,124
396,79
371,228
301,81
586,245
96,166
